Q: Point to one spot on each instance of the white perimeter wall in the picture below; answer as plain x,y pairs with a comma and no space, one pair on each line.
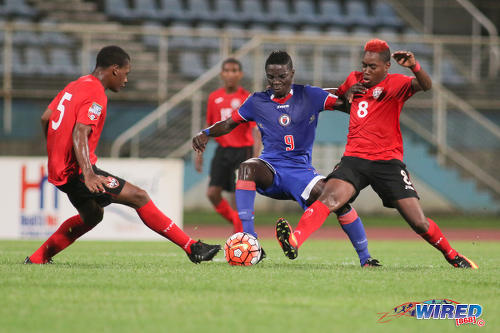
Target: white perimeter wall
45,207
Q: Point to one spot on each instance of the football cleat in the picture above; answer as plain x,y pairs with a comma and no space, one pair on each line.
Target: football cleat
370,262
202,252
28,261
286,238
461,261
262,255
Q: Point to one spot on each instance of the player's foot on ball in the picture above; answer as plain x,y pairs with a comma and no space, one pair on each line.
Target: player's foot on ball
202,252
262,255
461,261
286,238
370,262
28,261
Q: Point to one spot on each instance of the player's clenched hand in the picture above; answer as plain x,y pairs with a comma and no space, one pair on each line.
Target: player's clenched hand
356,89
404,58
199,142
95,183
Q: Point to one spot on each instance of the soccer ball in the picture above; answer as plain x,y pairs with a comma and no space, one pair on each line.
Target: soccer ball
242,249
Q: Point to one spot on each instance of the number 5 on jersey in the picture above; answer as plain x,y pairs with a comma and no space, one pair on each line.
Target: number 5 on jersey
289,142
60,107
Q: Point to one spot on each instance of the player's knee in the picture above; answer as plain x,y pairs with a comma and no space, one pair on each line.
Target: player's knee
246,170
140,197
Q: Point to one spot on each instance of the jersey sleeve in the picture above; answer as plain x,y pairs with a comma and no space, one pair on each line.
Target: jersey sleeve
349,81
90,108
404,87
245,112
322,100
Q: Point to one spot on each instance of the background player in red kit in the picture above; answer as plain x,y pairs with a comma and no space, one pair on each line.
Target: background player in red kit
72,124
233,148
374,152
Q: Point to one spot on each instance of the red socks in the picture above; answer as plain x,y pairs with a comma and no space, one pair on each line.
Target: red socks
158,222
311,220
66,234
435,237
224,209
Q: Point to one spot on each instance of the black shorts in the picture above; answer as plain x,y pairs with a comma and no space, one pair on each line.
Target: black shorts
78,193
224,165
389,179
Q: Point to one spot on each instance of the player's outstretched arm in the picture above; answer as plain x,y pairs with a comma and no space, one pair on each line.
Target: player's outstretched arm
45,121
217,129
422,80
95,183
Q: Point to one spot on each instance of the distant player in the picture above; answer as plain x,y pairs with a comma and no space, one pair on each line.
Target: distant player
233,148
72,124
374,152
287,116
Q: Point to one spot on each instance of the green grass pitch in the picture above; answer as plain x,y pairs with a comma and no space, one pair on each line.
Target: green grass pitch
153,287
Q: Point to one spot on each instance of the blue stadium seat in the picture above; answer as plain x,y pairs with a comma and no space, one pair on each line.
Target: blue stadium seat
54,37
357,14
118,9
26,37
180,41
226,11
213,59
331,13
18,8
199,10
36,62
279,12
252,12
305,13
172,11
191,64
386,16
146,10
153,39
62,63
233,29
285,29
451,75
207,42
311,30
18,64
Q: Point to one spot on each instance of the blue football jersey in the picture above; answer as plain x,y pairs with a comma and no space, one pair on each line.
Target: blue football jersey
288,130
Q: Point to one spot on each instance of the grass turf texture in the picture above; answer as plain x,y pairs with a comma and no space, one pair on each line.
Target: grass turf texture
153,287
270,218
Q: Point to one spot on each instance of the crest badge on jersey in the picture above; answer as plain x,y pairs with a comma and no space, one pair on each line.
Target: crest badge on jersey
112,182
94,111
235,103
377,92
285,120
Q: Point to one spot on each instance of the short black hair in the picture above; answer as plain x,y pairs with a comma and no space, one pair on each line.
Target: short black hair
232,61
112,55
279,57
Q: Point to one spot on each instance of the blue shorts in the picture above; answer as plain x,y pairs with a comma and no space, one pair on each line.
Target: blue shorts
292,181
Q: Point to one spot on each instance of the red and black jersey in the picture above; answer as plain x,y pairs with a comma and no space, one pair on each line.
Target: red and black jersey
374,130
220,107
82,101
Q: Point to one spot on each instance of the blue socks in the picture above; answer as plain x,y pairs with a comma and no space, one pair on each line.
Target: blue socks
245,199
353,227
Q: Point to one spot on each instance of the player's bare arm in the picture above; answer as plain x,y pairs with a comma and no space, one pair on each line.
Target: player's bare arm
422,80
356,89
217,129
45,121
95,183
